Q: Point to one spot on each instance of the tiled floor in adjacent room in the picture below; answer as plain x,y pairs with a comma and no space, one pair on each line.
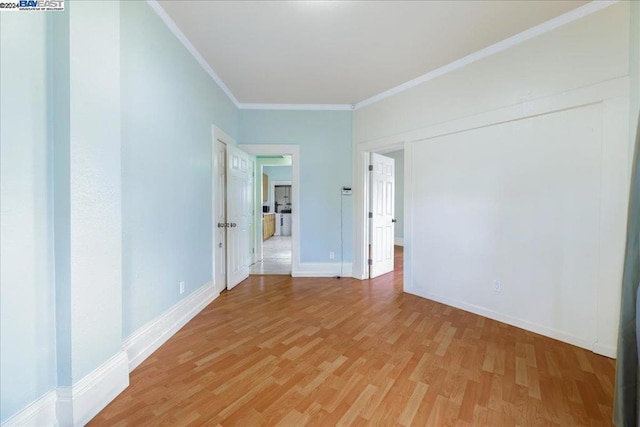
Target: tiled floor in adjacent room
276,257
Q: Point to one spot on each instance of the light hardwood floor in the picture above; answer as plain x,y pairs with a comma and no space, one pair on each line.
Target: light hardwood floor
293,352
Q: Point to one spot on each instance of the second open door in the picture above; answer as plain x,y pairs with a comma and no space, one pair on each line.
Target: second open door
381,214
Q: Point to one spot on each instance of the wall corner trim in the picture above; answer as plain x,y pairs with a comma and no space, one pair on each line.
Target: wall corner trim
521,37
151,336
78,404
40,412
297,107
545,27
173,27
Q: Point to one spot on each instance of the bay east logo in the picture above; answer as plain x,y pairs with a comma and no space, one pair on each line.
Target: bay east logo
41,4
45,5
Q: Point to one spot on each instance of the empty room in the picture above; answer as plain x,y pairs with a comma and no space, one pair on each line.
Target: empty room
417,213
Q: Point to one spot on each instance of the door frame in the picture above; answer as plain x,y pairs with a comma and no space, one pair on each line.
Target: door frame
362,192
294,151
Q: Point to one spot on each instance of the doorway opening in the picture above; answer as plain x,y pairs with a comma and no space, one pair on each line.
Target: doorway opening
381,217
276,239
398,157
277,207
375,207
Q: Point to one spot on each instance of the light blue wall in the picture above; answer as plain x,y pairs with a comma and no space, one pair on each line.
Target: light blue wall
27,298
324,138
60,110
398,156
278,173
168,106
95,188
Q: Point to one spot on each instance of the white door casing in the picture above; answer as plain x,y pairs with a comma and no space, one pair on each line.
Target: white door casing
251,246
382,221
238,215
219,214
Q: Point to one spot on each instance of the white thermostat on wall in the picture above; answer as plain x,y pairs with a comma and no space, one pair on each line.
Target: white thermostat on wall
346,191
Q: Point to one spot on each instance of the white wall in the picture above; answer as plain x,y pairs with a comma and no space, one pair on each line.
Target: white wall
500,215
517,170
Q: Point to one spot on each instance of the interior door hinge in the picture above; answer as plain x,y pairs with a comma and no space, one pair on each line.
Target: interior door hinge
370,214
370,167
370,261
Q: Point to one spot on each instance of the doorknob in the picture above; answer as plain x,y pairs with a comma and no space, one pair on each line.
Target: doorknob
394,220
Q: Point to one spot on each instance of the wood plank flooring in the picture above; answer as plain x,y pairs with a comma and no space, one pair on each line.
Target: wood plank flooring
293,352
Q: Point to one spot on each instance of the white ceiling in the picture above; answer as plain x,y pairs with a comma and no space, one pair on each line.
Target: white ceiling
343,52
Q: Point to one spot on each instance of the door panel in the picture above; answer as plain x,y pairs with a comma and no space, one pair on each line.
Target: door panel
238,215
382,208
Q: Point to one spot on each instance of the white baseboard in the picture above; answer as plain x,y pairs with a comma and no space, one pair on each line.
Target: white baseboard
520,323
605,350
398,241
76,405
322,269
41,412
148,338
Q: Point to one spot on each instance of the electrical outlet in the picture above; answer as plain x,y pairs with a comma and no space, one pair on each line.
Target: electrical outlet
181,288
497,286
332,255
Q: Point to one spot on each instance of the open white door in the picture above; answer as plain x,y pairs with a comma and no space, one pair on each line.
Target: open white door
238,215
381,208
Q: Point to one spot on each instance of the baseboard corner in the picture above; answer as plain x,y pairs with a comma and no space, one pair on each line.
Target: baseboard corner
78,404
605,350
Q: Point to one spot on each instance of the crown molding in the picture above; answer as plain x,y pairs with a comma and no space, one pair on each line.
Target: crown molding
191,48
545,27
524,36
312,107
